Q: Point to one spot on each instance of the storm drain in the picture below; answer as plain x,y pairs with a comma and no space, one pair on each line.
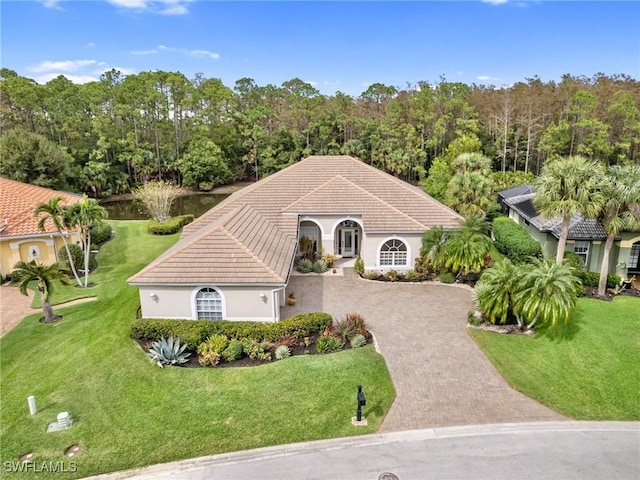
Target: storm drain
388,476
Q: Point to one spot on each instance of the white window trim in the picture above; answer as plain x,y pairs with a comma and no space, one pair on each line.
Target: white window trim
194,306
584,255
636,264
391,267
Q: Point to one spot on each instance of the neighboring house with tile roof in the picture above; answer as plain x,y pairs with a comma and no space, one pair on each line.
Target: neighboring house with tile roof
586,236
20,238
234,262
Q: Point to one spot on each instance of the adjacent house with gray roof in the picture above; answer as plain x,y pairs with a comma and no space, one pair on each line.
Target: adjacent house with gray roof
234,262
586,236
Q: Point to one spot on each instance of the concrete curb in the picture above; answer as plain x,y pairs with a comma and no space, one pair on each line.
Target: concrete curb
364,441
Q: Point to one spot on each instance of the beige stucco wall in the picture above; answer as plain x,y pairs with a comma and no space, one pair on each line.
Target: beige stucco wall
374,241
238,302
13,250
369,243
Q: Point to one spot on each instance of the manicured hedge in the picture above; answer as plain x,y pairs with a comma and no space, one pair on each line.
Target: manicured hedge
514,241
592,279
101,233
78,258
194,332
172,226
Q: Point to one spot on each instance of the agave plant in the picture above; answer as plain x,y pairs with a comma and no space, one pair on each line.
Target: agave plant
168,352
305,265
320,266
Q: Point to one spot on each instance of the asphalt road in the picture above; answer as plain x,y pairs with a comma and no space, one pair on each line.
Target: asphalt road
554,450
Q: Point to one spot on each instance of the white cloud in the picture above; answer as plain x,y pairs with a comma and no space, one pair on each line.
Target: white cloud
161,7
143,52
487,78
136,4
331,84
64,65
91,45
311,82
163,47
495,2
54,4
204,53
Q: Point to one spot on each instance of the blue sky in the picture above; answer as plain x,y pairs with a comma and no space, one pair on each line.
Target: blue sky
342,46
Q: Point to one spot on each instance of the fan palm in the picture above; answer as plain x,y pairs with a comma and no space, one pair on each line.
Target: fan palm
568,187
434,246
44,275
53,211
496,290
547,293
620,212
467,248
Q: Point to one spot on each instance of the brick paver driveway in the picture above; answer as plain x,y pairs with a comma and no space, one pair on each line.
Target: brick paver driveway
441,376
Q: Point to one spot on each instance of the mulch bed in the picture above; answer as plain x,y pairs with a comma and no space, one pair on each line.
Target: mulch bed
249,362
592,292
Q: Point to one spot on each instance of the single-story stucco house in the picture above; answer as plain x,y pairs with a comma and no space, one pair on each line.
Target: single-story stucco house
234,262
586,236
20,238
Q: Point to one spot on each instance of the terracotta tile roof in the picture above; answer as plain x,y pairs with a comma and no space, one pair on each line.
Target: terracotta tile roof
240,247
277,192
250,237
17,203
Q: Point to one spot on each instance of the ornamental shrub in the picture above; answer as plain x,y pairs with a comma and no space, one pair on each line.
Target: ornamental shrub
574,261
328,344
592,279
359,265
514,241
101,233
170,227
78,259
233,351
447,277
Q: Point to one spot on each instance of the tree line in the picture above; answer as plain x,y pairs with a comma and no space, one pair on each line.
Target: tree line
108,136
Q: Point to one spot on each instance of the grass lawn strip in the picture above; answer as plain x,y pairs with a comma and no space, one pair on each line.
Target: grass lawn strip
592,373
130,413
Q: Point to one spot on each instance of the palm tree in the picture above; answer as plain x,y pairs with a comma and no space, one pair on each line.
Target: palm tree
54,211
44,275
547,293
85,215
495,292
467,248
469,190
568,187
621,210
434,246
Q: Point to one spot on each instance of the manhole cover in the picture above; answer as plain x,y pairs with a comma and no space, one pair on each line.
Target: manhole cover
73,450
388,476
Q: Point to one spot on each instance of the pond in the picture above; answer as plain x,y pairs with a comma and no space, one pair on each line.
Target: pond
196,204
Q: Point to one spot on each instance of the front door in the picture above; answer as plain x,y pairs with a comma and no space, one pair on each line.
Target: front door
348,242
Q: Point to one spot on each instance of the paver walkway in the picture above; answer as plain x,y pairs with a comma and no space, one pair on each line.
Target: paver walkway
440,375
13,307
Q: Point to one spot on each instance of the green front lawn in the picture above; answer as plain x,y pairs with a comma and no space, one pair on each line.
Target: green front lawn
591,374
131,413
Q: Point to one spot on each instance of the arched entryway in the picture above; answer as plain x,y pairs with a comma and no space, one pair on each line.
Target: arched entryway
347,238
310,238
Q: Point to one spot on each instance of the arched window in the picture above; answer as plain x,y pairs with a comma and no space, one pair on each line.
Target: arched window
208,304
393,253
